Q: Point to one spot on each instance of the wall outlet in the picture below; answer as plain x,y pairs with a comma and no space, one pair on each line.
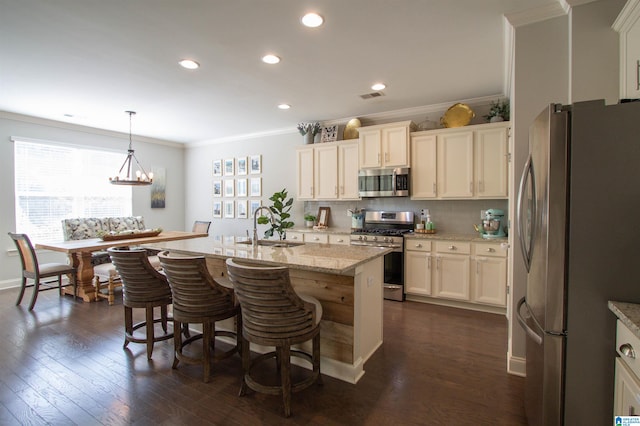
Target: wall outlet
349,213
483,214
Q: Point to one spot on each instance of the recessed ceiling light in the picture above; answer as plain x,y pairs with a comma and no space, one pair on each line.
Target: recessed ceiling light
312,20
378,86
189,64
270,59
284,106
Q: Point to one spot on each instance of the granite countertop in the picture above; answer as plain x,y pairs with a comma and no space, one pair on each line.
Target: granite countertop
330,258
628,313
457,237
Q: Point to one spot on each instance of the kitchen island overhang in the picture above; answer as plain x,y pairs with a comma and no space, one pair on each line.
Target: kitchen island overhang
347,280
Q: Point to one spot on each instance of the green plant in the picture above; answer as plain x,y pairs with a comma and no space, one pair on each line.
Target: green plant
498,109
309,217
280,210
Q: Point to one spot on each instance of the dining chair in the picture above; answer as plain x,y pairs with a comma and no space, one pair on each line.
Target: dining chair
33,270
199,298
143,287
273,314
201,226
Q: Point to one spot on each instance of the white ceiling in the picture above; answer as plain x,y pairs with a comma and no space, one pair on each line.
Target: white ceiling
94,59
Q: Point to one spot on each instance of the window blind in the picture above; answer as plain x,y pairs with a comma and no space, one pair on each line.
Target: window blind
55,182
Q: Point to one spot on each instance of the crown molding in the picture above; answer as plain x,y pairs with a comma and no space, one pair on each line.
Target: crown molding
541,13
370,119
628,15
85,129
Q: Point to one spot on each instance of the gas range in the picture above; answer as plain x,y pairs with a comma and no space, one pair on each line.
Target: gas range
383,229
386,229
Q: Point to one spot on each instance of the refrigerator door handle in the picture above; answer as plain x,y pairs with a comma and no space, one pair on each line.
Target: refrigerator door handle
526,246
532,333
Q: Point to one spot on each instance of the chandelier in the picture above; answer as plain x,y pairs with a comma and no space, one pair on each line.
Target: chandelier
141,176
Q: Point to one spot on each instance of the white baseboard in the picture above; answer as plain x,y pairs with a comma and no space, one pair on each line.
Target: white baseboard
516,365
6,284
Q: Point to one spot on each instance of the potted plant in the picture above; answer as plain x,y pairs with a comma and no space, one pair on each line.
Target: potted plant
499,111
309,220
280,210
309,130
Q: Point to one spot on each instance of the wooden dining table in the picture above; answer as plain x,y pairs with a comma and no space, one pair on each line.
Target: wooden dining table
79,252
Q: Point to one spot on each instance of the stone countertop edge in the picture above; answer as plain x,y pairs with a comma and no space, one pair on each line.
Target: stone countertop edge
628,313
457,237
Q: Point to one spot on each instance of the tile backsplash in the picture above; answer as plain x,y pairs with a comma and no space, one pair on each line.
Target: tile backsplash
451,216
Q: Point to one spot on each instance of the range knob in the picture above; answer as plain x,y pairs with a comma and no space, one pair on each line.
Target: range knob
388,239
375,238
363,237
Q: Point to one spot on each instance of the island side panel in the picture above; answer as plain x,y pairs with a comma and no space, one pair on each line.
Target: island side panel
368,309
335,293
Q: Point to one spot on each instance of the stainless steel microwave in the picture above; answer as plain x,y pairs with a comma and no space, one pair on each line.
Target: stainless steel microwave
383,182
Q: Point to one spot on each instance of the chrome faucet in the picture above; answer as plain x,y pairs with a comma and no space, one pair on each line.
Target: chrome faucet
254,242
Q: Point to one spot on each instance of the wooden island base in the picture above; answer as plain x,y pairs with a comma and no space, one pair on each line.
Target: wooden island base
351,326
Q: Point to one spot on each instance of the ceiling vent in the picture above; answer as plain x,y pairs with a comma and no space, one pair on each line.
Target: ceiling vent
372,95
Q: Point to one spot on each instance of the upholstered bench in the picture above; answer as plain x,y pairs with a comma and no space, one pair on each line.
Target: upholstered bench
83,228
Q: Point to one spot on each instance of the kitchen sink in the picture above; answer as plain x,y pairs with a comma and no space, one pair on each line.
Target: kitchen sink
272,243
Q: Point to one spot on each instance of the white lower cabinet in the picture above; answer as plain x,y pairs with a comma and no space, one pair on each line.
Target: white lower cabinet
473,273
417,266
489,274
626,400
295,236
452,270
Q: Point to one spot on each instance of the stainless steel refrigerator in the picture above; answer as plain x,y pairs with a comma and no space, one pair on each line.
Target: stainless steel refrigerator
578,221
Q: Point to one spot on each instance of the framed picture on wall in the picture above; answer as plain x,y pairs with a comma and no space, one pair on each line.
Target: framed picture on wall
229,189
253,206
217,209
241,163
256,164
241,209
217,167
229,209
217,188
229,169
241,187
255,187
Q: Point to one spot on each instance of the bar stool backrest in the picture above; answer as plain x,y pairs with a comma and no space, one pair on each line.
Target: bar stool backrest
271,309
142,283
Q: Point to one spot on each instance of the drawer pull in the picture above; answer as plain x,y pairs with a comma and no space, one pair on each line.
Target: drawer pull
340,240
491,250
418,245
316,238
627,350
452,248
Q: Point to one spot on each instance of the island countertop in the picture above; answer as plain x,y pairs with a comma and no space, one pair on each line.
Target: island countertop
330,258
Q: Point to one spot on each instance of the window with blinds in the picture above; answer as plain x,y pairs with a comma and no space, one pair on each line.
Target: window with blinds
55,182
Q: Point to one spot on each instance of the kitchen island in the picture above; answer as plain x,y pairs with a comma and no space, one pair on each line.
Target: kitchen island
347,280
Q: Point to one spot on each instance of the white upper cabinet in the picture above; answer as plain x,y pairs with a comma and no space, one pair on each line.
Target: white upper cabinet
385,145
628,26
328,171
455,165
461,163
423,166
348,170
304,163
491,153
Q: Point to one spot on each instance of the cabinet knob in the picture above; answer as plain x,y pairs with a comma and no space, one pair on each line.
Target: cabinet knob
452,248
627,350
316,238
490,250
418,245
340,240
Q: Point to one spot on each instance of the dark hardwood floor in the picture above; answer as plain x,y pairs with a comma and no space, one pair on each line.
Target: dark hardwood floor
64,364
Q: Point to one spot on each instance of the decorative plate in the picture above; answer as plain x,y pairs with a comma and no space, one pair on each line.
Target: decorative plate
351,130
457,115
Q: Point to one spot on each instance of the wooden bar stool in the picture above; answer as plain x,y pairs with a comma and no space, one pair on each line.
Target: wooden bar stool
273,314
199,298
143,287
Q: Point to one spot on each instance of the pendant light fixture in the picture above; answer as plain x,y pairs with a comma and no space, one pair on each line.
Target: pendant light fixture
141,176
